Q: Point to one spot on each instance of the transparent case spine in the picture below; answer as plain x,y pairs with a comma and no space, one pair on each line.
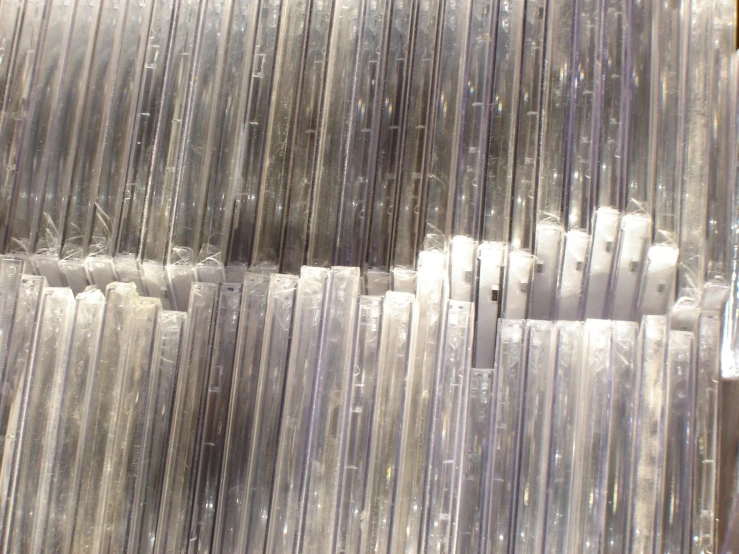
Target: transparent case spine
288,493
241,414
19,351
518,275
103,402
166,356
331,396
11,19
179,473
621,435
122,455
447,424
187,19
291,225
566,389
591,438
390,132
10,282
446,118
64,137
97,178
347,153
673,532
585,115
358,424
17,94
201,126
528,115
504,437
56,532
250,25
36,435
214,418
463,262
412,174
723,142
615,108
36,141
700,61
396,346
475,452
639,69
253,142
271,185
474,119
284,312
503,121
529,524
431,297
704,501
143,144
648,454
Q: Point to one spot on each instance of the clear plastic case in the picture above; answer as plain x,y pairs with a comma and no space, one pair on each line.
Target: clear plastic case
288,492
10,282
475,451
55,534
591,440
566,392
505,436
358,424
396,344
97,167
415,141
241,412
281,312
447,424
446,118
21,72
166,356
30,465
145,146
180,57
432,291
673,526
705,468
621,435
103,401
175,507
250,150
528,115
286,188
529,523
206,104
122,460
214,418
32,145
648,456
347,153
391,133
331,397
504,102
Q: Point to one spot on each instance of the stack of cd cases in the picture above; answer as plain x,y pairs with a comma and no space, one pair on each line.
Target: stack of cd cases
353,276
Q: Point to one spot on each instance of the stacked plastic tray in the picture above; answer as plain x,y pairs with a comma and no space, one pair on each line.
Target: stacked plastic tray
368,276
